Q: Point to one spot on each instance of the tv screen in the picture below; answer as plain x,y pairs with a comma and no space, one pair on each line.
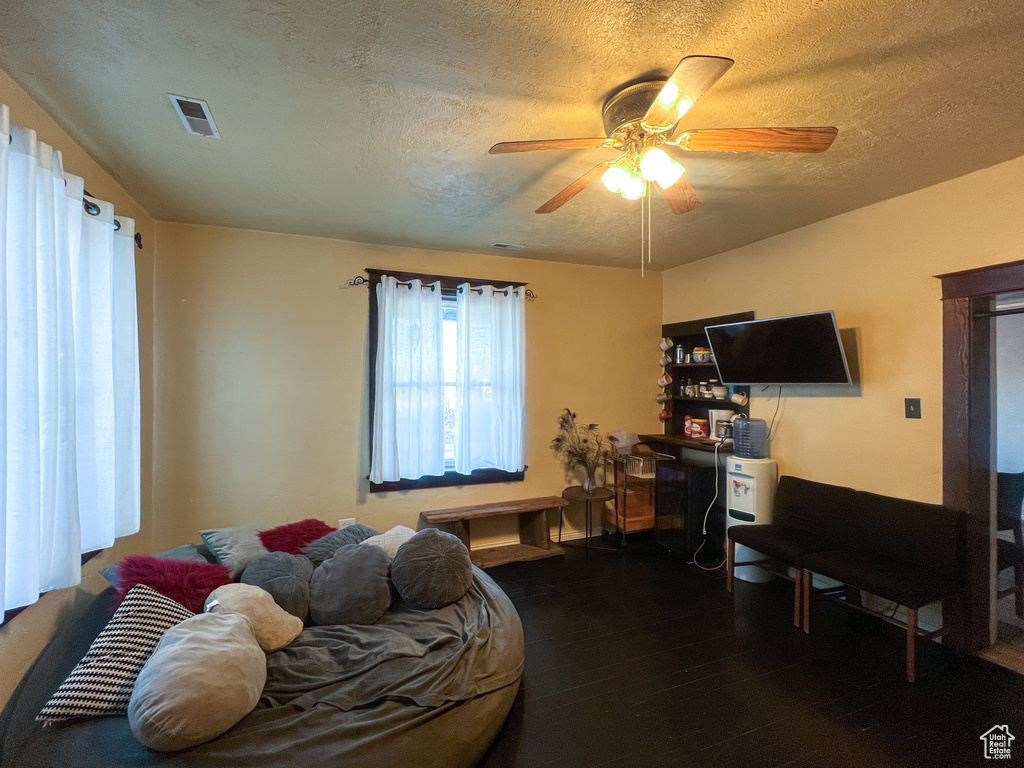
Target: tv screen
800,349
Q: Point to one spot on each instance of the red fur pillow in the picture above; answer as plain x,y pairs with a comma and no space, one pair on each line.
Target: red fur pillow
293,537
186,583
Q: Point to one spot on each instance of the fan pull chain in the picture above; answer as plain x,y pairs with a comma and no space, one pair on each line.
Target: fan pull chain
649,235
642,234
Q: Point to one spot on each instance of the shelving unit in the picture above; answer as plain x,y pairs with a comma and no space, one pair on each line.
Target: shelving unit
691,334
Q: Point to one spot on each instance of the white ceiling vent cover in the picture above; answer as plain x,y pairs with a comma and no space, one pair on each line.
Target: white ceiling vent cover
507,246
195,116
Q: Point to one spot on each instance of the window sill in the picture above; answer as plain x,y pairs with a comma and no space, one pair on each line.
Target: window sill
448,479
8,615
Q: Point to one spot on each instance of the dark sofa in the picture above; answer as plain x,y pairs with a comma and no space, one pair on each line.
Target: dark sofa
906,552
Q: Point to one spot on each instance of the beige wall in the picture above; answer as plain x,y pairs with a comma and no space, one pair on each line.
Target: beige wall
261,404
874,267
22,638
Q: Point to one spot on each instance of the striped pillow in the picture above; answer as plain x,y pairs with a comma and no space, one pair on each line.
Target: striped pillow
102,682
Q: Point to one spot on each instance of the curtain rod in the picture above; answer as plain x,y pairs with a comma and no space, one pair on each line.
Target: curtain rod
94,210
91,208
359,280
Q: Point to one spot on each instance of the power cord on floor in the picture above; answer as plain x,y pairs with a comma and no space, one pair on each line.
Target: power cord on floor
707,513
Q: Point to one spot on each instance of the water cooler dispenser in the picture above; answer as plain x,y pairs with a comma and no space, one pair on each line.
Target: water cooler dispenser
750,493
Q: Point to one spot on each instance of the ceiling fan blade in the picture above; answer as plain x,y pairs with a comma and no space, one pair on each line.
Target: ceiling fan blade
757,139
506,147
573,189
680,196
691,80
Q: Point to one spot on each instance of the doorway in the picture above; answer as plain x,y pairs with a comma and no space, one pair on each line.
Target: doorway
1008,418
981,308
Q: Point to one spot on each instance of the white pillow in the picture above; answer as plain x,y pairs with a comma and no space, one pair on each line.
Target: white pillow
391,540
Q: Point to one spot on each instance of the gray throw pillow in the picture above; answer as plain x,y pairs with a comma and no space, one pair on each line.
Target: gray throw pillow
325,547
432,569
286,577
352,587
188,552
234,547
205,675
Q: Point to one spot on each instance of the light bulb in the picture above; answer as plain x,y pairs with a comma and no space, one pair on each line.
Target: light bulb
633,188
613,178
670,175
668,93
653,163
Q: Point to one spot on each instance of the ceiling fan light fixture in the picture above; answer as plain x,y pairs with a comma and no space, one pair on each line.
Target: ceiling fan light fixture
656,165
614,178
633,188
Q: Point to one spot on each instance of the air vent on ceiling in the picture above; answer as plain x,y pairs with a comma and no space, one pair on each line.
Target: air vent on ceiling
508,246
195,116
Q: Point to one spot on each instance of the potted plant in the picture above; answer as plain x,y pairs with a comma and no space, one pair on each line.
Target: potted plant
580,447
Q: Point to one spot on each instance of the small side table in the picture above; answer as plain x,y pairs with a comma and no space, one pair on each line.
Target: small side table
577,493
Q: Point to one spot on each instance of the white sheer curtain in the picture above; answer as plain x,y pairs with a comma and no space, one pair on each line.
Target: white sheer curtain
70,378
490,379
408,409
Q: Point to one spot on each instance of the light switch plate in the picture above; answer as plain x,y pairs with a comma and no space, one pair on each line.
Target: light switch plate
913,407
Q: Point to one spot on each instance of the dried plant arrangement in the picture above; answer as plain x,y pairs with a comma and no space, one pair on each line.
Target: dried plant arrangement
580,446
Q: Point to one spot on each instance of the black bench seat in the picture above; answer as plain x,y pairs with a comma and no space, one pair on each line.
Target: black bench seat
906,552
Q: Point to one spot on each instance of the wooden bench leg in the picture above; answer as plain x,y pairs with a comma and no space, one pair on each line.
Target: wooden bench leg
462,531
911,644
533,529
798,596
808,588
731,567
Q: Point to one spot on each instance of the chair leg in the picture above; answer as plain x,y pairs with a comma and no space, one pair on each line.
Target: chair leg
1018,593
798,596
808,588
911,644
731,567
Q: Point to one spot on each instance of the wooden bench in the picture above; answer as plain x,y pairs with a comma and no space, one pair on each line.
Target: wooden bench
534,535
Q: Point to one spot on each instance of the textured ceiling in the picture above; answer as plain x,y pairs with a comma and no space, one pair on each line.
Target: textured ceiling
370,121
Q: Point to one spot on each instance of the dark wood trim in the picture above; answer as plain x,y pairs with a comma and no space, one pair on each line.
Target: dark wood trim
1000,278
448,479
8,615
690,327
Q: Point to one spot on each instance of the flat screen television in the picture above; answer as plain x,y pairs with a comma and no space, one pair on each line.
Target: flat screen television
799,349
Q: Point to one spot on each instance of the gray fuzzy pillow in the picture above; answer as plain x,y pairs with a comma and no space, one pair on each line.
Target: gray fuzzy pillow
325,547
234,547
286,577
352,587
432,569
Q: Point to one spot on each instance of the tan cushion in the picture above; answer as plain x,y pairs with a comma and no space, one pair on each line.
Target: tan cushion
273,626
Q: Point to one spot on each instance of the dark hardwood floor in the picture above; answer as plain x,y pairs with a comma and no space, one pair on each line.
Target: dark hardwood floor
635,659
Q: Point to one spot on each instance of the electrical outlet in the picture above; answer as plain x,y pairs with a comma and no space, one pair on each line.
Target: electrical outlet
346,521
913,407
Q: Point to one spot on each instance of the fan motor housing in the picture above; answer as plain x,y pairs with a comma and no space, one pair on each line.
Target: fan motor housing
629,104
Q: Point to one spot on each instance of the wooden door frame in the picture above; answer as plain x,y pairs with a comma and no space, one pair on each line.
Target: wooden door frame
967,432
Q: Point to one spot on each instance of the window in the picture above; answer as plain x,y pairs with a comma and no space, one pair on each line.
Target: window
70,429
447,380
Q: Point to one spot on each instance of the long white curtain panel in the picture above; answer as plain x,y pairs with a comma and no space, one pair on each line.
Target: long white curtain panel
408,412
490,379
70,432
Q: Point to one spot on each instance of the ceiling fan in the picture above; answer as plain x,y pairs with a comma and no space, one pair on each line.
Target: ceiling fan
641,120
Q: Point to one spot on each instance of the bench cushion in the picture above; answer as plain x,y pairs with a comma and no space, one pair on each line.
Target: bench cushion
779,542
818,508
902,582
911,531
